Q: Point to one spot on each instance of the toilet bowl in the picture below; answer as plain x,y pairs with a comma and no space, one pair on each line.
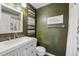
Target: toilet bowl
40,51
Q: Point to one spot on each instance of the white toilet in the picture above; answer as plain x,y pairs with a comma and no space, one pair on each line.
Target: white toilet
40,51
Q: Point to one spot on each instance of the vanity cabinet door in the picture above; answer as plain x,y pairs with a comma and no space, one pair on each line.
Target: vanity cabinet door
30,49
12,53
33,49
26,51
21,51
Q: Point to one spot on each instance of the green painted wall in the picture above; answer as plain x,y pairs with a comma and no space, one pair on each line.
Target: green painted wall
54,38
4,37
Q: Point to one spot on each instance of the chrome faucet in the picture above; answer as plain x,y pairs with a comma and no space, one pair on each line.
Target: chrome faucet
9,38
15,35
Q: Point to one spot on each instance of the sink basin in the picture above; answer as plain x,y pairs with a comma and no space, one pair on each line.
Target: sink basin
13,41
17,40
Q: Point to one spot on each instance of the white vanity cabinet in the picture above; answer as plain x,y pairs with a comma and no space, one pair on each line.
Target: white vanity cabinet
11,19
27,47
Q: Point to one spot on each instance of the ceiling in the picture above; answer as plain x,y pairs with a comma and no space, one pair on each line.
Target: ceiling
38,5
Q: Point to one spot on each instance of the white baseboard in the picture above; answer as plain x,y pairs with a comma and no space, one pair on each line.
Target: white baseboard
49,54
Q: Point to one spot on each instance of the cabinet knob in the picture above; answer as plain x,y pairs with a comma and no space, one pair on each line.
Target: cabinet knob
31,45
26,48
31,51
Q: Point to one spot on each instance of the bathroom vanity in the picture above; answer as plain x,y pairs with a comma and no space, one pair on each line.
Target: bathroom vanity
24,46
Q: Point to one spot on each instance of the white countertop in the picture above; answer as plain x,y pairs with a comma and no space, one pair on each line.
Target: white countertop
6,46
